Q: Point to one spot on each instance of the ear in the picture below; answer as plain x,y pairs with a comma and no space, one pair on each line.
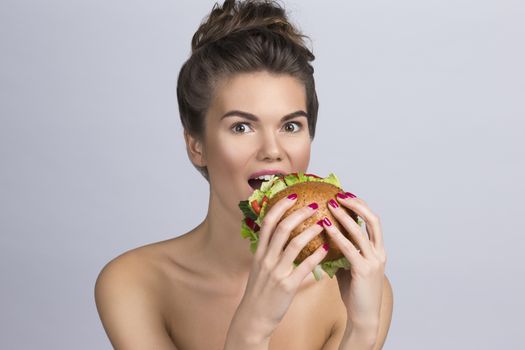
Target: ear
195,150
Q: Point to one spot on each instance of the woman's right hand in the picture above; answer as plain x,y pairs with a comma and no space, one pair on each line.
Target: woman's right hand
273,280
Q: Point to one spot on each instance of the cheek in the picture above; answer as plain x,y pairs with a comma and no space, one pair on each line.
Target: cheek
300,154
226,155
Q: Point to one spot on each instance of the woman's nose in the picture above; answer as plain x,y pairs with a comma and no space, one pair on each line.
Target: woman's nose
269,147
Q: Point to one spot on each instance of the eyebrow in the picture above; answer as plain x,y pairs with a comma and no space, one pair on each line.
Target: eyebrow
253,118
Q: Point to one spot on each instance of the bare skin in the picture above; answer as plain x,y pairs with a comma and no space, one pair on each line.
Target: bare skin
195,308
182,293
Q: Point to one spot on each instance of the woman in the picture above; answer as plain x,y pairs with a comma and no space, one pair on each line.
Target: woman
248,104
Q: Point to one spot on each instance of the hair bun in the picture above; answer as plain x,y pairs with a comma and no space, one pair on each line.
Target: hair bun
235,16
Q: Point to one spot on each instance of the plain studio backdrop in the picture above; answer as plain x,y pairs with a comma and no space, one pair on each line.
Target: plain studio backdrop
421,114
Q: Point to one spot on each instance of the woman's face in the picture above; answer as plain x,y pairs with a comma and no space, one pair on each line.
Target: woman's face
246,133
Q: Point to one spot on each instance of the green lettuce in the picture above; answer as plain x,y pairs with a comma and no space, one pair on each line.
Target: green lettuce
331,267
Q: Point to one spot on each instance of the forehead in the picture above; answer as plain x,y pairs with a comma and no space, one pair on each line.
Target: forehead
260,93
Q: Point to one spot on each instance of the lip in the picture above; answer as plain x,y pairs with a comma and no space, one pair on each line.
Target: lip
267,172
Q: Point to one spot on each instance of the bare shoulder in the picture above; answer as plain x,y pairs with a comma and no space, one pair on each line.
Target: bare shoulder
127,296
385,316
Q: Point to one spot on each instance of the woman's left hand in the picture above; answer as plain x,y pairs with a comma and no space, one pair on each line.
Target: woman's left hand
361,287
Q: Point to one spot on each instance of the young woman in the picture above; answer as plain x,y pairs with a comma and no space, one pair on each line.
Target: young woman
248,106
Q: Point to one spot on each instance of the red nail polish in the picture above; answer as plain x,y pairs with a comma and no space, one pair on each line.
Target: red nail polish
320,223
326,246
342,195
327,222
313,205
351,195
333,203
292,196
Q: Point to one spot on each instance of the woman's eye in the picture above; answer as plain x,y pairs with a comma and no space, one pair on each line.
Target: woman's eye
242,128
239,128
292,130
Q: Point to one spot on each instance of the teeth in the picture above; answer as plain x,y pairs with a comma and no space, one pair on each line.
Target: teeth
264,177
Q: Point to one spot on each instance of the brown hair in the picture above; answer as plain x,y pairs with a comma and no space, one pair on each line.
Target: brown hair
241,37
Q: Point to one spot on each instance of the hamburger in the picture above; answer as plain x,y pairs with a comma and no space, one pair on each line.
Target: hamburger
309,188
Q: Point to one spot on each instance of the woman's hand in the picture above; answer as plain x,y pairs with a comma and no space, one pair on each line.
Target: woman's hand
273,280
361,287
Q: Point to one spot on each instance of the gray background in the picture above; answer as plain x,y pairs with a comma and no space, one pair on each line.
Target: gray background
421,114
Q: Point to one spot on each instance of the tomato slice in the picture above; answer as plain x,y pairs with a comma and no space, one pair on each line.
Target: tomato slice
313,175
255,206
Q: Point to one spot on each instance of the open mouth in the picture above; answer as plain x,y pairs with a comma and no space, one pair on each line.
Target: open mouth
255,183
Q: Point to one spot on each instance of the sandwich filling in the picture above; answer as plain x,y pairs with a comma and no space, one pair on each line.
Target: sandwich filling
254,210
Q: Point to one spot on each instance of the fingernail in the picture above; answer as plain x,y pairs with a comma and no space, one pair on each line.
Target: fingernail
313,205
351,195
342,195
327,222
320,223
326,246
292,196
333,203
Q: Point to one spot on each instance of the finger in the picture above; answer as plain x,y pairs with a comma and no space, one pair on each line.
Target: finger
345,246
285,227
307,266
296,245
350,226
372,221
270,221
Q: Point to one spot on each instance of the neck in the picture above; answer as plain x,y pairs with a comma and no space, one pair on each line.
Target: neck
222,245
